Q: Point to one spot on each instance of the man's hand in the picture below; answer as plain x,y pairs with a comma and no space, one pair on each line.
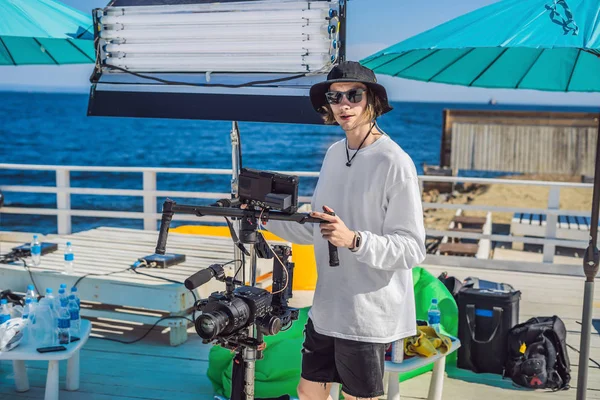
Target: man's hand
335,231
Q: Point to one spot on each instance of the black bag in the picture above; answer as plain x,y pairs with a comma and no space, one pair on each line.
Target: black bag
537,354
15,299
484,318
452,284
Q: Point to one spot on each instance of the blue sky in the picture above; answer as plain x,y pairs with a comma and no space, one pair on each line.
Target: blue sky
372,25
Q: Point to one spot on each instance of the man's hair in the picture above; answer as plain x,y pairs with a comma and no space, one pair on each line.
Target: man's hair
373,110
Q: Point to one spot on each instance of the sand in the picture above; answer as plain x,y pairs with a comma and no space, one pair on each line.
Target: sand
505,196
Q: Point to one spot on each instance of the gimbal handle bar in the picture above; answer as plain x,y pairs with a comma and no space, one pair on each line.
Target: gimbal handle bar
170,207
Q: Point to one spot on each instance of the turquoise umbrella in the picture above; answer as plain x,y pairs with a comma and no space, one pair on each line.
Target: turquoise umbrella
44,32
514,44
551,45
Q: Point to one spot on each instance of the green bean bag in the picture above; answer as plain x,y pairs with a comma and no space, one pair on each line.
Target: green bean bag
278,373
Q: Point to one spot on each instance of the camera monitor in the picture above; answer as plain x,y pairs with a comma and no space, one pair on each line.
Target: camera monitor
269,190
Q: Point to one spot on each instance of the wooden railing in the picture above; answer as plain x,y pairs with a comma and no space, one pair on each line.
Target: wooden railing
151,215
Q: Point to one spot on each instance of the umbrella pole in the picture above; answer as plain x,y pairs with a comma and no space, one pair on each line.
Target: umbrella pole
590,268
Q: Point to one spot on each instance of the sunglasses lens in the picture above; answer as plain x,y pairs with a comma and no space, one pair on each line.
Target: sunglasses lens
355,96
333,97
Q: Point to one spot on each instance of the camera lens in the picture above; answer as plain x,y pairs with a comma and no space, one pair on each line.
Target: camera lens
209,325
269,324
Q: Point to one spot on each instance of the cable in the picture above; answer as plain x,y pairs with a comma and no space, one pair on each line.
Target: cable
574,349
172,281
147,332
241,85
276,256
135,269
92,274
591,359
15,256
31,276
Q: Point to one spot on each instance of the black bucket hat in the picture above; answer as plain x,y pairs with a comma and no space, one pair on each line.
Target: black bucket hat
348,71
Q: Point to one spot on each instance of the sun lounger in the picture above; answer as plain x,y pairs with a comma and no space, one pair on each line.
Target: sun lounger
568,226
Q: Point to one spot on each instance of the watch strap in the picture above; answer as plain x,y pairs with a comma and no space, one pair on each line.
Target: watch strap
356,242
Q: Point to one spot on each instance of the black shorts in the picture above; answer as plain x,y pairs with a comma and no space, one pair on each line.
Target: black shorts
358,366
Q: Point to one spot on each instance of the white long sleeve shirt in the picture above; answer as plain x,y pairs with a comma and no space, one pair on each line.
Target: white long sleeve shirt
369,297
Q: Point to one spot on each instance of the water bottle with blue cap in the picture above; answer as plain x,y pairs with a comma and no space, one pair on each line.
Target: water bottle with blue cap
69,258
63,298
73,308
433,315
36,251
64,326
4,311
28,317
74,293
31,294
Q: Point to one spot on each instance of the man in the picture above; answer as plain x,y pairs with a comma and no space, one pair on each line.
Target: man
371,185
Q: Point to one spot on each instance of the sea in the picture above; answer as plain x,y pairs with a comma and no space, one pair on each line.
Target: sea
54,129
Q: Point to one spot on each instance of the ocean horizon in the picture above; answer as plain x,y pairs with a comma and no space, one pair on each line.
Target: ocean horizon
49,128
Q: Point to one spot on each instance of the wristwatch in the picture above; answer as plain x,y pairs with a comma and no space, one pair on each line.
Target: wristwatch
356,242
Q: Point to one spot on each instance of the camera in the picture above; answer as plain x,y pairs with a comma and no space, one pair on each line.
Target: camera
225,315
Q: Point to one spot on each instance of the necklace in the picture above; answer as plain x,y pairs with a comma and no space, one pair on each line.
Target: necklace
349,163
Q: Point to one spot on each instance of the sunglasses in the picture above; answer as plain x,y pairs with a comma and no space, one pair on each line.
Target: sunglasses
353,96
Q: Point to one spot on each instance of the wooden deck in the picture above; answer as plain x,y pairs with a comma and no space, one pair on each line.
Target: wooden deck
137,296
151,369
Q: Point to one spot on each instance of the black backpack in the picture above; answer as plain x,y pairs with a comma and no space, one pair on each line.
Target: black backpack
537,354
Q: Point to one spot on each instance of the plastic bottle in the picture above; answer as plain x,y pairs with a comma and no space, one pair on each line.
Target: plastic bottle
64,326
36,251
434,315
27,316
4,311
46,321
31,294
50,299
27,309
69,258
74,293
73,308
63,298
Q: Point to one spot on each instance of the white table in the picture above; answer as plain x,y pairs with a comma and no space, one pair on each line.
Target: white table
436,384
128,296
20,354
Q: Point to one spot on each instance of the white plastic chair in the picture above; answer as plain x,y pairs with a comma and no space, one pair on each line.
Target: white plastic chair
393,370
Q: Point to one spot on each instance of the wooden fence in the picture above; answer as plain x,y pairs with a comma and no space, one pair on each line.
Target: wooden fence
519,141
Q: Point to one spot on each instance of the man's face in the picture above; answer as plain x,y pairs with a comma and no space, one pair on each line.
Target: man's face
346,113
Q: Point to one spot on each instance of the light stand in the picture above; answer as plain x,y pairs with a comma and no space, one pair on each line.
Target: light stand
590,269
249,355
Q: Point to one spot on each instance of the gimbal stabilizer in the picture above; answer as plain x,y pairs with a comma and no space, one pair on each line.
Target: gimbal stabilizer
238,318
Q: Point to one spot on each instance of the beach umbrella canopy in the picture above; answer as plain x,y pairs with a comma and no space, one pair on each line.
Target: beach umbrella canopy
44,32
513,44
551,45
